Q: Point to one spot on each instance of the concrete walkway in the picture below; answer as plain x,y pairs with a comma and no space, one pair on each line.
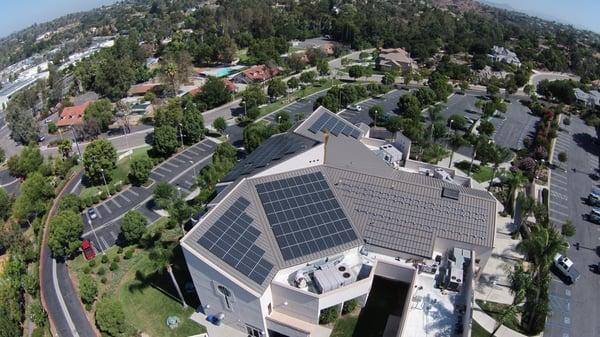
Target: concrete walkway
489,324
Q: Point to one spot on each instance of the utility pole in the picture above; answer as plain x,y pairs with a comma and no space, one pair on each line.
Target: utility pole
105,184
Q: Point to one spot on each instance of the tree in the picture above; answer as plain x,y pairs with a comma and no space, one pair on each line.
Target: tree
99,159
457,122
509,313
64,147
161,256
36,191
293,83
27,162
170,114
193,124
514,180
455,142
277,88
486,128
165,140
2,155
426,96
568,229
5,204
133,226
329,102
65,232
323,67
70,202
88,289
110,317
376,113
100,111
492,89
255,134
562,156
254,96
214,93
409,106
23,126
52,128
464,86
220,125
308,76
356,71
284,121
388,78
164,193
295,62
140,168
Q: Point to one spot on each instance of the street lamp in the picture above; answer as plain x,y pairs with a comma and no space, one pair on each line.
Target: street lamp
178,191
245,110
105,184
193,167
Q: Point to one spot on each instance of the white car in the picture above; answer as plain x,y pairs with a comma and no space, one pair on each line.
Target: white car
566,267
354,107
92,213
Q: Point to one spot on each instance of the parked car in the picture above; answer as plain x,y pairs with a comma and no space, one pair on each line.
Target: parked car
354,107
594,215
566,267
41,139
92,213
594,197
88,250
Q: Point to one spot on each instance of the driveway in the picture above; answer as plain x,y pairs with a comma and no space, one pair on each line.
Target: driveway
539,76
575,308
179,170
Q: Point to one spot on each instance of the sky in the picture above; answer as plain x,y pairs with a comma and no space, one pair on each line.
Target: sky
18,14
579,13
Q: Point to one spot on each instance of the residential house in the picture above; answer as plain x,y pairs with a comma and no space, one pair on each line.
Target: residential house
395,59
72,115
257,74
309,221
142,88
501,54
591,98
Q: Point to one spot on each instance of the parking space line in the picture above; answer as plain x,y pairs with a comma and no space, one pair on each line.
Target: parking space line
124,197
183,154
171,164
560,212
114,200
165,169
114,235
558,205
555,185
190,150
134,192
106,208
180,160
158,174
106,245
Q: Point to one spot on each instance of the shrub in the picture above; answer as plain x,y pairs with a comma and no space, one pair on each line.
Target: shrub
329,315
103,195
120,250
104,259
128,254
349,306
88,289
562,157
101,271
113,266
117,259
95,199
568,229
38,332
103,279
92,263
87,270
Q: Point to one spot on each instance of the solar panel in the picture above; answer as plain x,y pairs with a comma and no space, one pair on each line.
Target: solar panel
335,125
304,215
232,239
450,193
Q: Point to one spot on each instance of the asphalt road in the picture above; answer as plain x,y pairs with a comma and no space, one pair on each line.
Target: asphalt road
389,102
179,170
63,305
302,108
575,308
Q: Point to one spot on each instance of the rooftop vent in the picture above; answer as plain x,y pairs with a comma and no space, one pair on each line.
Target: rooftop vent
450,193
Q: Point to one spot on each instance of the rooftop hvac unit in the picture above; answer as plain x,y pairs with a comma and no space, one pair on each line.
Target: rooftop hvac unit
333,278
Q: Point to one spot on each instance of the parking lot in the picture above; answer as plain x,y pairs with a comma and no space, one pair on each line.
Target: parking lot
389,102
179,170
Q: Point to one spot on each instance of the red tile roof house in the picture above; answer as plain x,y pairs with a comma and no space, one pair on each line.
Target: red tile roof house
395,59
258,74
72,115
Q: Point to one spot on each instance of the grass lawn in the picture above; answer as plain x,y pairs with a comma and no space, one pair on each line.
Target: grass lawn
148,296
119,174
344,326
478,331
298,94
242,54
480,173
495,310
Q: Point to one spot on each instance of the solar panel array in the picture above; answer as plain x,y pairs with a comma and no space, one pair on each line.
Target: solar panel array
232,239
335,125
304,215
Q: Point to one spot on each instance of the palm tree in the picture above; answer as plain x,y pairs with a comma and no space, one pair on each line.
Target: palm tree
161,257
541,246
514,180
526,206
455,142
508,314
499,155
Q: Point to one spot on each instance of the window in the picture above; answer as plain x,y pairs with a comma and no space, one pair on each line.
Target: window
270,308
227,296
253,332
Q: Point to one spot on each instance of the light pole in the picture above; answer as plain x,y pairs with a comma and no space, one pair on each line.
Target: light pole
105,184
76,143
181,133
245,110
178,191
125,133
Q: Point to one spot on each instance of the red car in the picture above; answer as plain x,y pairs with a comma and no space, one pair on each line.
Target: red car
88,250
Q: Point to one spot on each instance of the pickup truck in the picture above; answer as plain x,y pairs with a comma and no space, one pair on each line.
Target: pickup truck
565,265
